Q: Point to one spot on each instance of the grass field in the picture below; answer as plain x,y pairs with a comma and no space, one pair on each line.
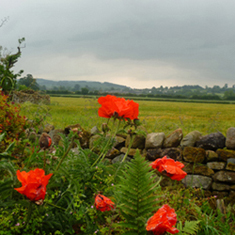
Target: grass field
156,116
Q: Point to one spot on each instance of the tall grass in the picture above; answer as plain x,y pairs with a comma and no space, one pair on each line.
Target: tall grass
156,116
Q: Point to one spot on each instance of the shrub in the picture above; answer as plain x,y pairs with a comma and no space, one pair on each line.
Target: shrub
12,123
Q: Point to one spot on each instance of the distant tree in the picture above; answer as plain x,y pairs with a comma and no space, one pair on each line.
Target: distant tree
216,89
229,95
84,90
29,82
153,90
225,86
76,87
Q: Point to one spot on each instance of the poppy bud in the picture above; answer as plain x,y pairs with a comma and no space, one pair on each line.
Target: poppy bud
130,131
115,115
45,141
105,127
137,122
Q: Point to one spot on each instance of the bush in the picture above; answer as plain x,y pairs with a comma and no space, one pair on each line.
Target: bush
12,123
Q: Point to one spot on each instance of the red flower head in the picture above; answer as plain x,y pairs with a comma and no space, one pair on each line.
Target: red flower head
103,203
162,221
33,184
45,141
118,107
171,167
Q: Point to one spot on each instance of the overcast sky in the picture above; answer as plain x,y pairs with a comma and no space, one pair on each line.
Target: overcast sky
137,43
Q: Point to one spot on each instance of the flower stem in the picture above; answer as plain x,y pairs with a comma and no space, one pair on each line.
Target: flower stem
66,153
44,160
55,206
124,158
129,147
104,151
29,213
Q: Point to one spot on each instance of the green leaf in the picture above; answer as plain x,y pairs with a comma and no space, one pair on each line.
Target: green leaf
137,193
10,147
189,228
2,136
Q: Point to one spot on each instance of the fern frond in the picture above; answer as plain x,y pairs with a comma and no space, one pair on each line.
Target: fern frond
136,194
189,228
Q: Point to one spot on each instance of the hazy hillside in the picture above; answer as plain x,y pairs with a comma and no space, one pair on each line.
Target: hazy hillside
70,84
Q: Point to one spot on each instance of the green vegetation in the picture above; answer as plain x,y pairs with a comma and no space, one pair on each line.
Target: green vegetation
137,202
155,116
192,92
68,207
28,82
7,76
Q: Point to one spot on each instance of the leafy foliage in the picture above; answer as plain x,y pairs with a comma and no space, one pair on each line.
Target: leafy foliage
12,124
136,194
7,76
189,227
29,82
77,177
214,222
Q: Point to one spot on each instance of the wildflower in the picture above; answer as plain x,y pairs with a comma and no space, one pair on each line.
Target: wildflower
33,184
113,106
162,221
18,224
45,141
103,203
172,168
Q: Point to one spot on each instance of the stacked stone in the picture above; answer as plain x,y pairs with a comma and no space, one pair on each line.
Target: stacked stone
209,160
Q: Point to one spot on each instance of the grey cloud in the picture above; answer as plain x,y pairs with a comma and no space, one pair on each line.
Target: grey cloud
197,36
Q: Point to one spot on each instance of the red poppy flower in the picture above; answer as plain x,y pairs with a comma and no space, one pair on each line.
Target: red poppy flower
119,107
162,221
171,167
103,203
33,184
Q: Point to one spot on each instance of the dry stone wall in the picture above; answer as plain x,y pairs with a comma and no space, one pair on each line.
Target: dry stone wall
30,96
209,160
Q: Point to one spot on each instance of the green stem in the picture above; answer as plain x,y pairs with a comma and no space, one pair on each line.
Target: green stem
129,147
124,158
29,213
55,206
65,154
104,151
44,160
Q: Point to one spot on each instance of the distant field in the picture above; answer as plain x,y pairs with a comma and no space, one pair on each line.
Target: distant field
156,116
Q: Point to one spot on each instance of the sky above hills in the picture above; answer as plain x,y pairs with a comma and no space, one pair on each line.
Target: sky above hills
137,43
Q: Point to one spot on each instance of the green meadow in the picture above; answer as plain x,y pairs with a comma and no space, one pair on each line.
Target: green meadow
155,116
